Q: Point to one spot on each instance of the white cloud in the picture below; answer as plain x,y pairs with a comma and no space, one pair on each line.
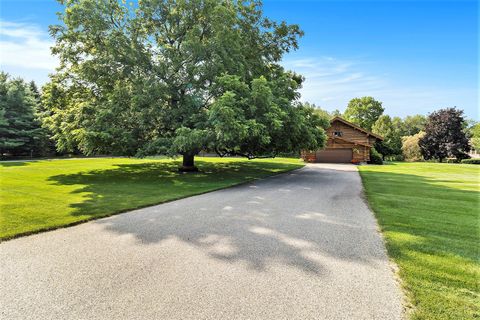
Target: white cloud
25,50
330,83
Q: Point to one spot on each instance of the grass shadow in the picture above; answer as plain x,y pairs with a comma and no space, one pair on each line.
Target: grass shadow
14,163
130,186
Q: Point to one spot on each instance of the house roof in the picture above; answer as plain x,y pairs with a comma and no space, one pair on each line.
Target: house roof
348,123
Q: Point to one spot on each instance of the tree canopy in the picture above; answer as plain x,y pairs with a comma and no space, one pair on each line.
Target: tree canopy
475,139
20,130
319,110
364,111
410,147
176,77
392,143
444,135
413,124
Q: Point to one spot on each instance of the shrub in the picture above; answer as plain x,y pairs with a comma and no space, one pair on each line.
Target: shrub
471,161
375,157
410,148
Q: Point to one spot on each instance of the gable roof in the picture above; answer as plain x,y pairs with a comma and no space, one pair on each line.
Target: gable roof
353,125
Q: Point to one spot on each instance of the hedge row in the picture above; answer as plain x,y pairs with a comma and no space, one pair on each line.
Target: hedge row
471,161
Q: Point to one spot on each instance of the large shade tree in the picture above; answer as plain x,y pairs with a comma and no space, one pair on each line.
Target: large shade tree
175,77
444,135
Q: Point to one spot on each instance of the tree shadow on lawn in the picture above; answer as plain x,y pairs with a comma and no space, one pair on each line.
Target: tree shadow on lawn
130,186
15,163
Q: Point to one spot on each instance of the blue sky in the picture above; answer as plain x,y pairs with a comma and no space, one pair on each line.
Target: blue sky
414,56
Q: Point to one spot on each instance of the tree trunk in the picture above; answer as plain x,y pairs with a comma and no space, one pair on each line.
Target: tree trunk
188,163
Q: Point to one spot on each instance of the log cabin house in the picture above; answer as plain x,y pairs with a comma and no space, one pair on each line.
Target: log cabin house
346,143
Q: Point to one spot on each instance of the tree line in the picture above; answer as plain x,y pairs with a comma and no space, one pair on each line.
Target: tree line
178,77
442,134
26,124
21,113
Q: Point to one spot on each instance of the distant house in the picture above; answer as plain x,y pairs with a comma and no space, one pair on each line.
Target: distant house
475,154
347,143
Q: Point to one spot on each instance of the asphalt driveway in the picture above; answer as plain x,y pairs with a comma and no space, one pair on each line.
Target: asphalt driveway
301,245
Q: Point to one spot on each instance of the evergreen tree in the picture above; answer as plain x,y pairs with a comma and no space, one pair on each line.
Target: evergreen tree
44,146
34,89
20,131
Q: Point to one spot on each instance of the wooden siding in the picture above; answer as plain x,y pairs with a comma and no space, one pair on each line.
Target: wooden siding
348,133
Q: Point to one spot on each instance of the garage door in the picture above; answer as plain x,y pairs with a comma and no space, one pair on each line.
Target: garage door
335,155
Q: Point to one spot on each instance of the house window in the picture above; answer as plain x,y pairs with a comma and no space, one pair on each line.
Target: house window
337,134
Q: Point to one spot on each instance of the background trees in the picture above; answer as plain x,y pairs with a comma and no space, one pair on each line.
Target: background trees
475,136
318,110
413,124
176,77
411,148
444,135
20,129
392,143
364,111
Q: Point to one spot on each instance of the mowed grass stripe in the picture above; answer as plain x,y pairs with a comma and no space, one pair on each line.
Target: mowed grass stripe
429,214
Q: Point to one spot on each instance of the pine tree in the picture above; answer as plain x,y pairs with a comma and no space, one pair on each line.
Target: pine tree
20,131
44,145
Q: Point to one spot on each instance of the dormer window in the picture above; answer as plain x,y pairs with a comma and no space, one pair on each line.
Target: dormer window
337,134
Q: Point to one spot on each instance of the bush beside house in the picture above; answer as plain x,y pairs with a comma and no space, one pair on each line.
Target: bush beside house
375,157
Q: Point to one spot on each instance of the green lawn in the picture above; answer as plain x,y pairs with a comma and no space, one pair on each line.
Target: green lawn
429,214
46,194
